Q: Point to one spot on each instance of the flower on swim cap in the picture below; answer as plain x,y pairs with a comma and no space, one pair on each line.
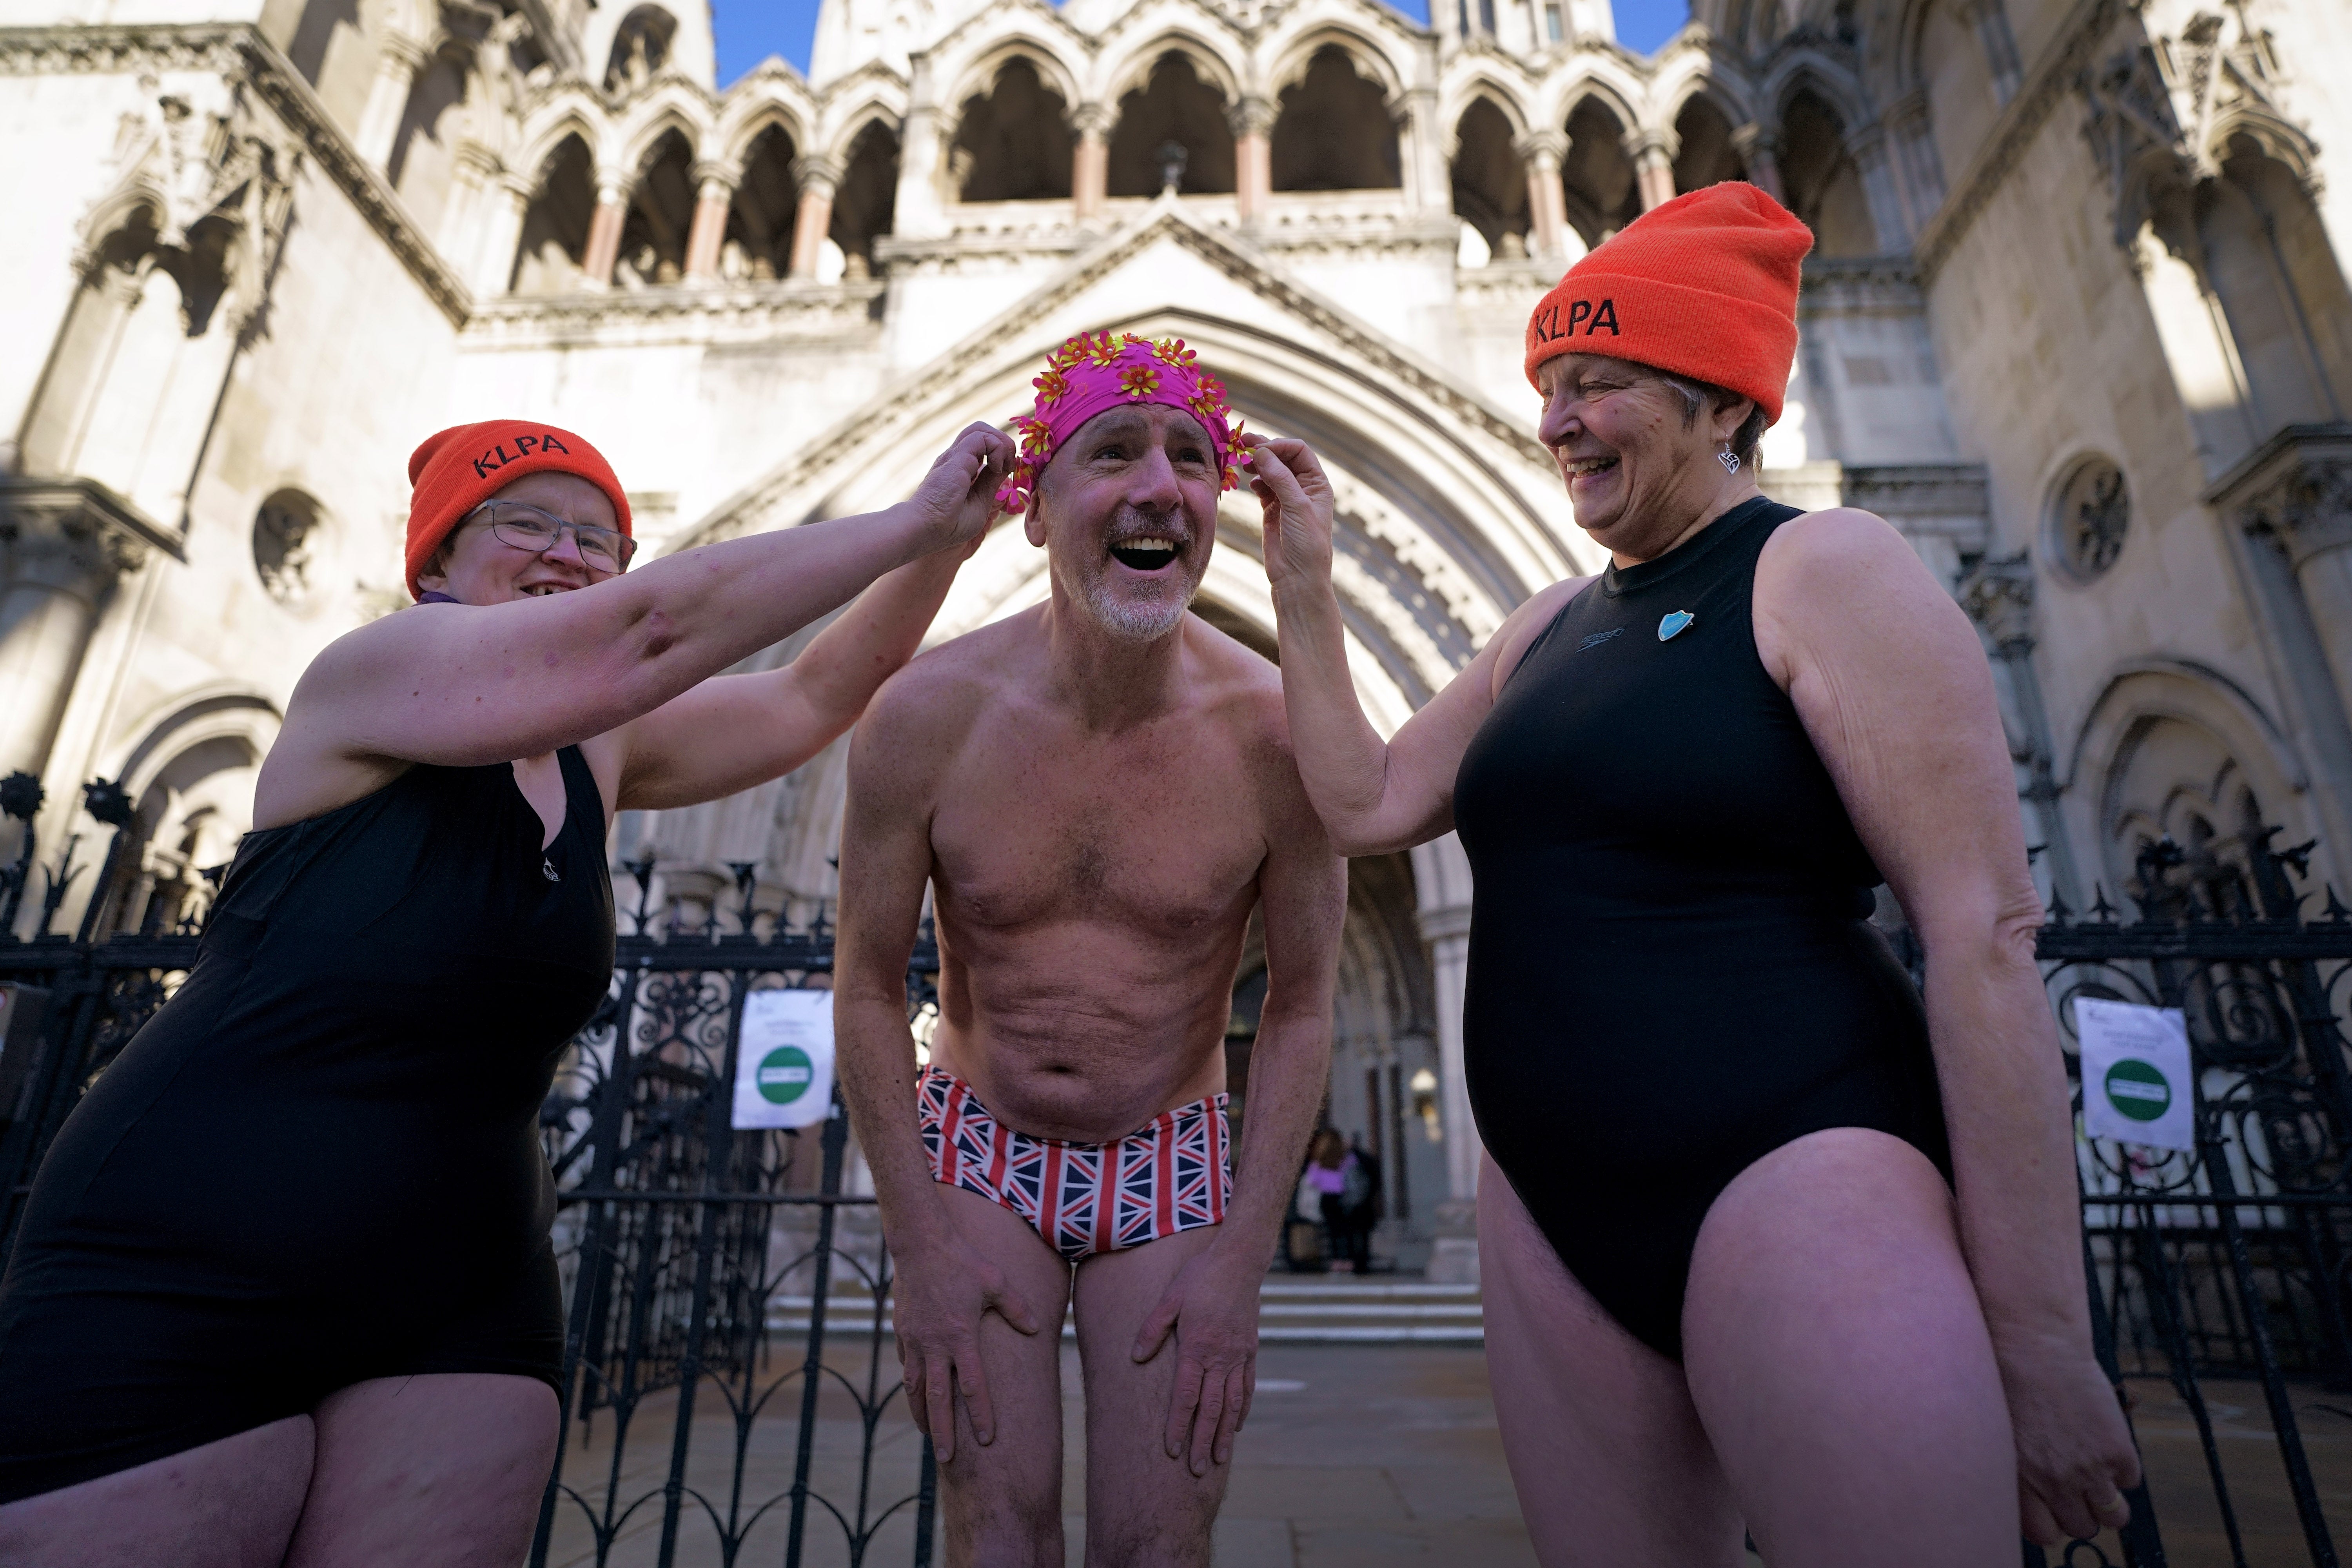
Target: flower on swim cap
1093,372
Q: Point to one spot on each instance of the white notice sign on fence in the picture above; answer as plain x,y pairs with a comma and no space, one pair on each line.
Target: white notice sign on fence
784,1064
2135,1073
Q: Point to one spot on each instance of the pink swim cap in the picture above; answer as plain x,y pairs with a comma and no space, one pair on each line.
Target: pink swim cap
1093,372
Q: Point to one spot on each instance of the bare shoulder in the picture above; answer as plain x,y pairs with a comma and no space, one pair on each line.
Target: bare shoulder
943,691
1843,587
1840,545
1242,691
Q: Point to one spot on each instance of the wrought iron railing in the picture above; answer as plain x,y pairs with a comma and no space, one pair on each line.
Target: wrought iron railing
707,1270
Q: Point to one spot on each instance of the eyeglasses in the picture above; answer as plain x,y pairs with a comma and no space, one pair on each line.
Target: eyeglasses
528,528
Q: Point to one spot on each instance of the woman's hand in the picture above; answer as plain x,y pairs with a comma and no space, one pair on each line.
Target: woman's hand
1296,498
957,499
2075,1452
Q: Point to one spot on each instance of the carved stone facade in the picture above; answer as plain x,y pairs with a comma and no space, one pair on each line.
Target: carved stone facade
2075,323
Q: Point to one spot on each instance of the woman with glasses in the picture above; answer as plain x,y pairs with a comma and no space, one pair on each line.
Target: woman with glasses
283,1291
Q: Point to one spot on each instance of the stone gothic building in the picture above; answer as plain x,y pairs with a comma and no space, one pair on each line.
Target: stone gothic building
2077,322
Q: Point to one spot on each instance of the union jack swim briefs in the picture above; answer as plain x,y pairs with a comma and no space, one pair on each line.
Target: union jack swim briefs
1168,1176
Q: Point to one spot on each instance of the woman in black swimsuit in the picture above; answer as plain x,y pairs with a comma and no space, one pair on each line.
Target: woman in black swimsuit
1727,1279
283,1291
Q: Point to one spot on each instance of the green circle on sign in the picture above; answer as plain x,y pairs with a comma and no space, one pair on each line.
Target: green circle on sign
2138,1090
784,1074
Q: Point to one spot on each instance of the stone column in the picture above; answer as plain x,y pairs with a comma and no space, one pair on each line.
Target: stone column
1653,151
716,192
1454,1253
507,204
1998,597
461,220
387,104
2296,490
63,543
918,213
1253,123
819,177
1424,137
1868,145
1544,151
1759,147
1091,159
613,189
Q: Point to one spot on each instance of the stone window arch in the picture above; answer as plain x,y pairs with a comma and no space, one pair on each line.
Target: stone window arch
1334,132
863,202
1172,105
1824,184
1490,181
1703,152
291,540
1597,176
425,151
1012,142
640,49
661,213
554,241
763,210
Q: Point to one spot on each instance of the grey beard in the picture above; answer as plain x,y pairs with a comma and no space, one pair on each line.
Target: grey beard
1141,623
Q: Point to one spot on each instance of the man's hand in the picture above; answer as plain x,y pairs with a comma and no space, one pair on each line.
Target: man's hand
942,1292
1212,1307
1294,497
2074,1453
957,496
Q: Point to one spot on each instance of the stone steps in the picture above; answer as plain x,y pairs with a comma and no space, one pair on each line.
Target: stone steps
1294,1310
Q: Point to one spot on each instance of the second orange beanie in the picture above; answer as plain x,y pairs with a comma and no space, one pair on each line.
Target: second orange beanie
1703,286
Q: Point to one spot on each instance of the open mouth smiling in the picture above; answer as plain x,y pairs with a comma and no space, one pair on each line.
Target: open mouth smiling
1585,467
1148,555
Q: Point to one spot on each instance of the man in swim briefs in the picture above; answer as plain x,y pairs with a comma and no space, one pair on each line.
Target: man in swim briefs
1099,792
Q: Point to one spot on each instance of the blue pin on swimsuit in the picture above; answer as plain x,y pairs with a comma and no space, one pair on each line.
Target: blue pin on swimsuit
1675,623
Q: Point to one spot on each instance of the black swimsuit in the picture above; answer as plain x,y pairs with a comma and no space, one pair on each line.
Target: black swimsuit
1671,971
319,1161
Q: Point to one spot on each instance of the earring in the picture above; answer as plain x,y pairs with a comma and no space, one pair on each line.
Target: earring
1731,464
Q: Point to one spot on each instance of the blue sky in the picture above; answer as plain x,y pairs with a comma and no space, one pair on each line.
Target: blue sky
750,30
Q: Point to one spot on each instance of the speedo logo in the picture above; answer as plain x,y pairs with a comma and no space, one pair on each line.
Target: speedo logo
1597,639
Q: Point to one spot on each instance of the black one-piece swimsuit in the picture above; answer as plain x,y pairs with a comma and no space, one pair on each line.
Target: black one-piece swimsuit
318,1162
1671,972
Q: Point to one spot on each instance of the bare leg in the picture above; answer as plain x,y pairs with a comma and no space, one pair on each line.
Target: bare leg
229,1504
444,1469
1002,1504
1611,1464
1143,1508
1839,1358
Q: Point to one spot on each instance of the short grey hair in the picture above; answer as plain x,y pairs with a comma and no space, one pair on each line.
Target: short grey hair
1698,394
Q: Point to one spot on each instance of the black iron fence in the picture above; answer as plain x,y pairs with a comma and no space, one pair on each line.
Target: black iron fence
717,1279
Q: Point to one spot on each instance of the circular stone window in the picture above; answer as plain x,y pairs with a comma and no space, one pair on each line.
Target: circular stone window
285,538
2089,517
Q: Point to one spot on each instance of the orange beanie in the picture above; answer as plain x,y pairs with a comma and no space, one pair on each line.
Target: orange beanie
1703,286
458,469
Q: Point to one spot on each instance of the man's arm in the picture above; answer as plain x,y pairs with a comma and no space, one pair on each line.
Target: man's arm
1213,1303
943,1286
733,732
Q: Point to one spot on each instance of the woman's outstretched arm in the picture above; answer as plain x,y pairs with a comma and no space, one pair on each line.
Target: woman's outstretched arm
1374,797
464,685
1892,686
733,732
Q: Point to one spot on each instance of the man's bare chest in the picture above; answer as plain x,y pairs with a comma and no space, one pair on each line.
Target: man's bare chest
1160,834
